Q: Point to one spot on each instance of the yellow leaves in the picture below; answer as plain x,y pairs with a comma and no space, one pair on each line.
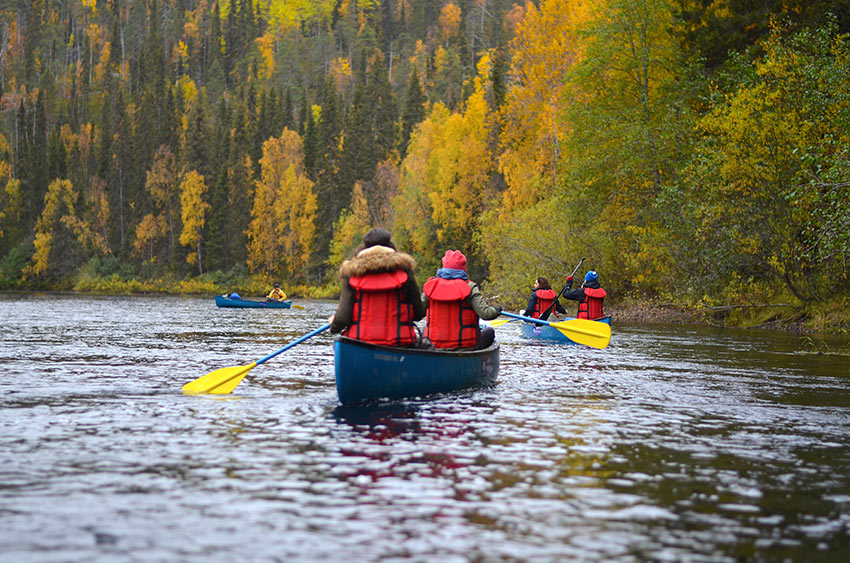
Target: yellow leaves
160,180
545,48
11,205
266,45
58,204
339,72
193,192
449,21
287,15
295,219
188,89
149,231
181,52
42,243
282,229
444,179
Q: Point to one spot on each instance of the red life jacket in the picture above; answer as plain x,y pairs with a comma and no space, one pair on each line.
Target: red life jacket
545,298
380,314
452,322
591,306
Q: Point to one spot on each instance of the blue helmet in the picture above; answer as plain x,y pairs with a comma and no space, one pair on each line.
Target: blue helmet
590,276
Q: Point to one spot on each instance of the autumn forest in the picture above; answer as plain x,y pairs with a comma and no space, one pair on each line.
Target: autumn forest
693,151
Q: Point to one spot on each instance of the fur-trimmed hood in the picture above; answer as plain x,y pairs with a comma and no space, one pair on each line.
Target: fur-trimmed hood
377,259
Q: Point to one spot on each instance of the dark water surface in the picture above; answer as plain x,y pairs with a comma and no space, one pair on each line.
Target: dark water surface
673,444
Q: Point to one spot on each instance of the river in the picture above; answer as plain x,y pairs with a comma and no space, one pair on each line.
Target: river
675,443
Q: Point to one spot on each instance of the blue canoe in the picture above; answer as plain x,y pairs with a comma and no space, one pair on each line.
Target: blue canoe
223,301
550,333
368,371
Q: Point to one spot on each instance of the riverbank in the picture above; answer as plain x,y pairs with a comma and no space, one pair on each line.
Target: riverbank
832,317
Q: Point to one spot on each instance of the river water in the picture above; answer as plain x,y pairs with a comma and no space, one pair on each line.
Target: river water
676,443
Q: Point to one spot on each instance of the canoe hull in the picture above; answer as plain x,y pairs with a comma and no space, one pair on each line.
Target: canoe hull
367,371
551,334
222,301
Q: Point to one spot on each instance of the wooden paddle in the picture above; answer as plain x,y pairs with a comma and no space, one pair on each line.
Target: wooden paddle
582,331
223,381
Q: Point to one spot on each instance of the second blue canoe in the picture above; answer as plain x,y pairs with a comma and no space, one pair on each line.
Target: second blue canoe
552,334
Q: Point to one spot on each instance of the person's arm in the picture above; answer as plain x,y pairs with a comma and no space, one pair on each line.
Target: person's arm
574,294
343,316
479,304
413,295
532,302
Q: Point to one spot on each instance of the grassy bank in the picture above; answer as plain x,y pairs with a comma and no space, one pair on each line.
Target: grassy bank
742,309
831,316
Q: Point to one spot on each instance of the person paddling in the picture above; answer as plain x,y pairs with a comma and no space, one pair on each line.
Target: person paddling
589,296
455,305
276,294
380,299
542,299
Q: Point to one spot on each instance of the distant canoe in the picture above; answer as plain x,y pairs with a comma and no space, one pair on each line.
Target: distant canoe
550,333
223,301
368,371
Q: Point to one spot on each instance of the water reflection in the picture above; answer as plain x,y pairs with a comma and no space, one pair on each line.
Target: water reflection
675,443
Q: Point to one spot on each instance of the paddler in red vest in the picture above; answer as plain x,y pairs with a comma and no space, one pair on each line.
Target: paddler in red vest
589,296
380,299
541,300
455,305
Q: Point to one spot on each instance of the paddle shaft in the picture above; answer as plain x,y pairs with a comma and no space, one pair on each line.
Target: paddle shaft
522,318
295,343
563,289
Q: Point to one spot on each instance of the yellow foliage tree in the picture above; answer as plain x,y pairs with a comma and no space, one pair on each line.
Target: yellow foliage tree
282,229
460,168
193,195
444,181
349,230
148,232
161,183
11,200
450,17
11,196
59,207
545,47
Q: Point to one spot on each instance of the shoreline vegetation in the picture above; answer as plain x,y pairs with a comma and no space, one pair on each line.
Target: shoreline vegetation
826,317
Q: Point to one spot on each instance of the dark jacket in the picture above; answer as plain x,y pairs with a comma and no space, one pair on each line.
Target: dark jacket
532,303
578,294
373,260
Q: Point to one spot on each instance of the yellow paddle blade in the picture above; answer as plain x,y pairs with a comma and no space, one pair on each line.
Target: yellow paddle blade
500,322
219,382
583,331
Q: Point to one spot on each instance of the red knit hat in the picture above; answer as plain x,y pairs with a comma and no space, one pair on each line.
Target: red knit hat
454,259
